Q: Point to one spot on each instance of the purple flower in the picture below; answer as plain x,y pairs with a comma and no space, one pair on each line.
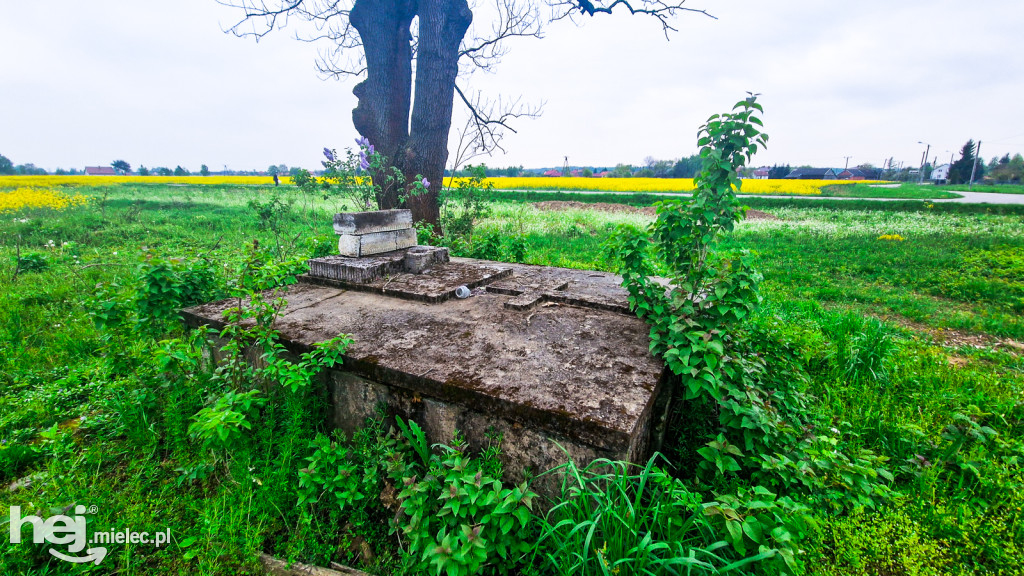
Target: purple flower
364,162
329,155
370,151
425,182
362,141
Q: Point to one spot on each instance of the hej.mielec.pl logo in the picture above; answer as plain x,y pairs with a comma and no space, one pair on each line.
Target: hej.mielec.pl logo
70,531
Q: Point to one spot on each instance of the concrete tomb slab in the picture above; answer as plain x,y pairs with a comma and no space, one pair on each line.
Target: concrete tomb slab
569,369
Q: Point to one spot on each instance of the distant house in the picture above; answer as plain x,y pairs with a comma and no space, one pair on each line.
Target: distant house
603,174
812,174
553,173
856,174
940,174
761,173
99,171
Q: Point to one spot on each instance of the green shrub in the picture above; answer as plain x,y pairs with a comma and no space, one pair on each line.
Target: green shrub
457,517
32,263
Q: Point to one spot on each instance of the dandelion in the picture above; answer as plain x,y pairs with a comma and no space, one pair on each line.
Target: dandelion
892,237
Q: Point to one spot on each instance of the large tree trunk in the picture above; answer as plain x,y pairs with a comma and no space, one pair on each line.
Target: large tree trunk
382,114
442,25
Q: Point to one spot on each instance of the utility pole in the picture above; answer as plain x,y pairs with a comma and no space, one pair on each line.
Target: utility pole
974,167
924,159
847,167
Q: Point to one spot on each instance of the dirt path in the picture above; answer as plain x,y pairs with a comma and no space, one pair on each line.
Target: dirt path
606,207
955,338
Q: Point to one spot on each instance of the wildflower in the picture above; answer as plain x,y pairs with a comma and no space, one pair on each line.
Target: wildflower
370,149
328,154
28,197
362,141
364,162
425,182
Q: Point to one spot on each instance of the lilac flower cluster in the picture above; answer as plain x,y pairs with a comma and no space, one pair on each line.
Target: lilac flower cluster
366,150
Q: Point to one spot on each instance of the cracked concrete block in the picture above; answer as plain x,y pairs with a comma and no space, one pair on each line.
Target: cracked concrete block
375,242
369,222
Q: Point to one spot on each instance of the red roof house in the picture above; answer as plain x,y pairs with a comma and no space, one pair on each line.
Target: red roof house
99,171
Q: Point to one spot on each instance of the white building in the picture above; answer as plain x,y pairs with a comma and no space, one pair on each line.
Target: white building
940,174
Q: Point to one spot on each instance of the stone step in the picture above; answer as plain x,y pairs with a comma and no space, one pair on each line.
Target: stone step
359,245
369,222
414,260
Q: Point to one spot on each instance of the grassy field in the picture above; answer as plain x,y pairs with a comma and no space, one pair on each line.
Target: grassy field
904,319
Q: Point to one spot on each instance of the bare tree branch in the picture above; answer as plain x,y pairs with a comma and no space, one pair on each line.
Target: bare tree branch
487,122
658,9
512,18
330,25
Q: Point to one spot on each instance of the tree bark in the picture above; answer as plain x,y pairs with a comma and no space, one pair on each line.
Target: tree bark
418,148
443,24
382,113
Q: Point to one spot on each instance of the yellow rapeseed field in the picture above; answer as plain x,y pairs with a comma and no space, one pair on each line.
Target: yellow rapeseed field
28,197
780,186
49,181
567,184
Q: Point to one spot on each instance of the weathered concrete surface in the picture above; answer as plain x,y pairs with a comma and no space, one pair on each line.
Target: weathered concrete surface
571,366
356,245
375,221
344,269
433,285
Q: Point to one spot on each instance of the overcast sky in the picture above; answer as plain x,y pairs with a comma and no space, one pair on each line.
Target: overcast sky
160,84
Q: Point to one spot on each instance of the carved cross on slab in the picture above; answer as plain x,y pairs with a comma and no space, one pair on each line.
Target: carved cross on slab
529,294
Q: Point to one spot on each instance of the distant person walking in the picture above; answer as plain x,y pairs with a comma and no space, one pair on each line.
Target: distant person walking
277,181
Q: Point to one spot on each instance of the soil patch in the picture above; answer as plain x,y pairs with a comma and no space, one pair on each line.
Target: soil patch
955,338
609,207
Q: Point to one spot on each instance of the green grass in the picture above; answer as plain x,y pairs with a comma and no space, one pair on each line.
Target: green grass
887,386
978,187
908,191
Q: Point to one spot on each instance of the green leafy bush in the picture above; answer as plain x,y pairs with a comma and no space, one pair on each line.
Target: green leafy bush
32,263
221,425
464,203
766,434
460,520
330,472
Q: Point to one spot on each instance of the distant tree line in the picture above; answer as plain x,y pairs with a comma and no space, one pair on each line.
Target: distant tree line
1007,170
8,168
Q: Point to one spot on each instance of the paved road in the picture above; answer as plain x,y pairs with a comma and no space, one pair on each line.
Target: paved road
967,197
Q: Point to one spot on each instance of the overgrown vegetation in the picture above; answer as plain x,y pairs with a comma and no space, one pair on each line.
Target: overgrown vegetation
848,365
